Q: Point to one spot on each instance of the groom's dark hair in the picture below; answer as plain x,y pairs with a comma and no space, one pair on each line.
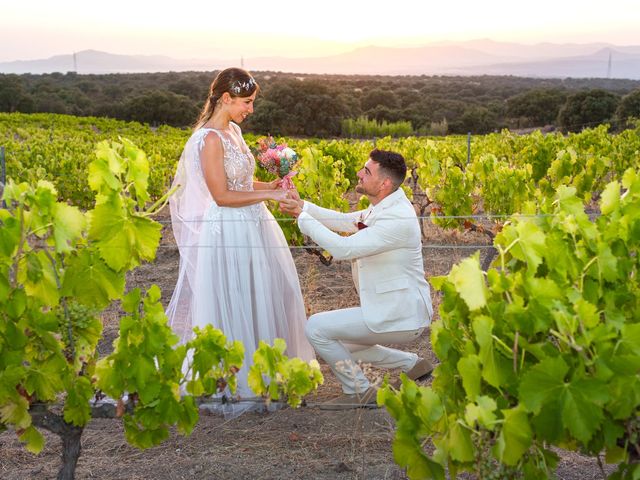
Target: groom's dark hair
391,164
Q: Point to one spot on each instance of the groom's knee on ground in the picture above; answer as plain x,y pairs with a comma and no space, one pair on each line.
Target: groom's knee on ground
313,329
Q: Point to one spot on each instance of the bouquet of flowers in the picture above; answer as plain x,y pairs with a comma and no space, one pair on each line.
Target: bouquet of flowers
277,159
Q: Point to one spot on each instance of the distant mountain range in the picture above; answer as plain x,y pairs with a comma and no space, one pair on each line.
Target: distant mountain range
475,57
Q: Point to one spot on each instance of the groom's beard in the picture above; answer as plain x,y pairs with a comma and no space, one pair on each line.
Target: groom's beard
361,189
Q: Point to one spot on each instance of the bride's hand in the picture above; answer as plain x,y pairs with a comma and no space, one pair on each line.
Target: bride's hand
275,184
279,195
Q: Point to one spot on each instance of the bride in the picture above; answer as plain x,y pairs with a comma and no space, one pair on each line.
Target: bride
236,271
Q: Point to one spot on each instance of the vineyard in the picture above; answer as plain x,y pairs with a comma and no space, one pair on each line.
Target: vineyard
497,174
537,339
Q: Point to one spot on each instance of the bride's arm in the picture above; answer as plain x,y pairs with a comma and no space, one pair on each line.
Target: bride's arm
272,185
257,185
212,161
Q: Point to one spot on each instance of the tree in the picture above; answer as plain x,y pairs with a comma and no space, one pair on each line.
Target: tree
629,107
49,103
382,113
267,118
587,108
274,110
539,106
76,101
12,93
435,109
161,107
297,107
377,96
476,119
406,96
188,88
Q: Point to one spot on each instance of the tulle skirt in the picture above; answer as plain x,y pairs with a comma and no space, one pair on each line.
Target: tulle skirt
246,284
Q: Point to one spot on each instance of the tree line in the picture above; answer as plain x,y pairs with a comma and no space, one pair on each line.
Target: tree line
323,105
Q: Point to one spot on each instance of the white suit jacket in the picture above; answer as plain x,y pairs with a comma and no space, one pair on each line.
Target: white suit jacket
386,259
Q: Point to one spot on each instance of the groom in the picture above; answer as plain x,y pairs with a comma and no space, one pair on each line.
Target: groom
386,253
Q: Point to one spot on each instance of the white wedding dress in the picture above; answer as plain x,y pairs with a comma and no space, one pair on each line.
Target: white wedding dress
236,270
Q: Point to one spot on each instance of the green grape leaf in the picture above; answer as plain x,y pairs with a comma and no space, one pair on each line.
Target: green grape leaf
42,286
581,402
123,240
567,200
141,437
188,416
469,369
542,382
587,313
103,171
429,409
615,454
131,300
468,279
5,288
15,411
255,381
459,443
481,412
607,263
409,454
631,337
10,377
515,436
138,170
77,409
493,369
610,198
33,439
195,388
531,245
108,378
44,382
69,223
91,281
16,303
624,392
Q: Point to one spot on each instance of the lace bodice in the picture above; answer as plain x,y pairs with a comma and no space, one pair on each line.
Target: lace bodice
239,165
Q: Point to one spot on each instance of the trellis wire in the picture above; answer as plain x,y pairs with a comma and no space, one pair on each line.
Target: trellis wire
313,247
423,217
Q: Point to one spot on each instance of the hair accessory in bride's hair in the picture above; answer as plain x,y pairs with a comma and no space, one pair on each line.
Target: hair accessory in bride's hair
238,86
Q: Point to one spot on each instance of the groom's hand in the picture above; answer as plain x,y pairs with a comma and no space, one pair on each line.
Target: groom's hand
293,193
291,206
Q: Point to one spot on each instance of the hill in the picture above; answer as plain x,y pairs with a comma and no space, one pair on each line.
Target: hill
478,57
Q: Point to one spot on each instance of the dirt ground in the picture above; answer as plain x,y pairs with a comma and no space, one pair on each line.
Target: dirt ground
305,443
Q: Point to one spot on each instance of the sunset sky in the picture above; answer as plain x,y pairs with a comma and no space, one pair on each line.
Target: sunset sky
209,29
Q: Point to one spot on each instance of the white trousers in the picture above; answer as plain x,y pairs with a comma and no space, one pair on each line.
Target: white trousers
343,340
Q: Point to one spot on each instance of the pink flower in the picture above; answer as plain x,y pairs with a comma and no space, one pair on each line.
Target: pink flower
271,156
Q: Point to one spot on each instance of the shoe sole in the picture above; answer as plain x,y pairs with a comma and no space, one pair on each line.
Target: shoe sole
422,378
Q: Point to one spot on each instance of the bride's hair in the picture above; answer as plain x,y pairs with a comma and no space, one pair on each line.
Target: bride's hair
235,81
